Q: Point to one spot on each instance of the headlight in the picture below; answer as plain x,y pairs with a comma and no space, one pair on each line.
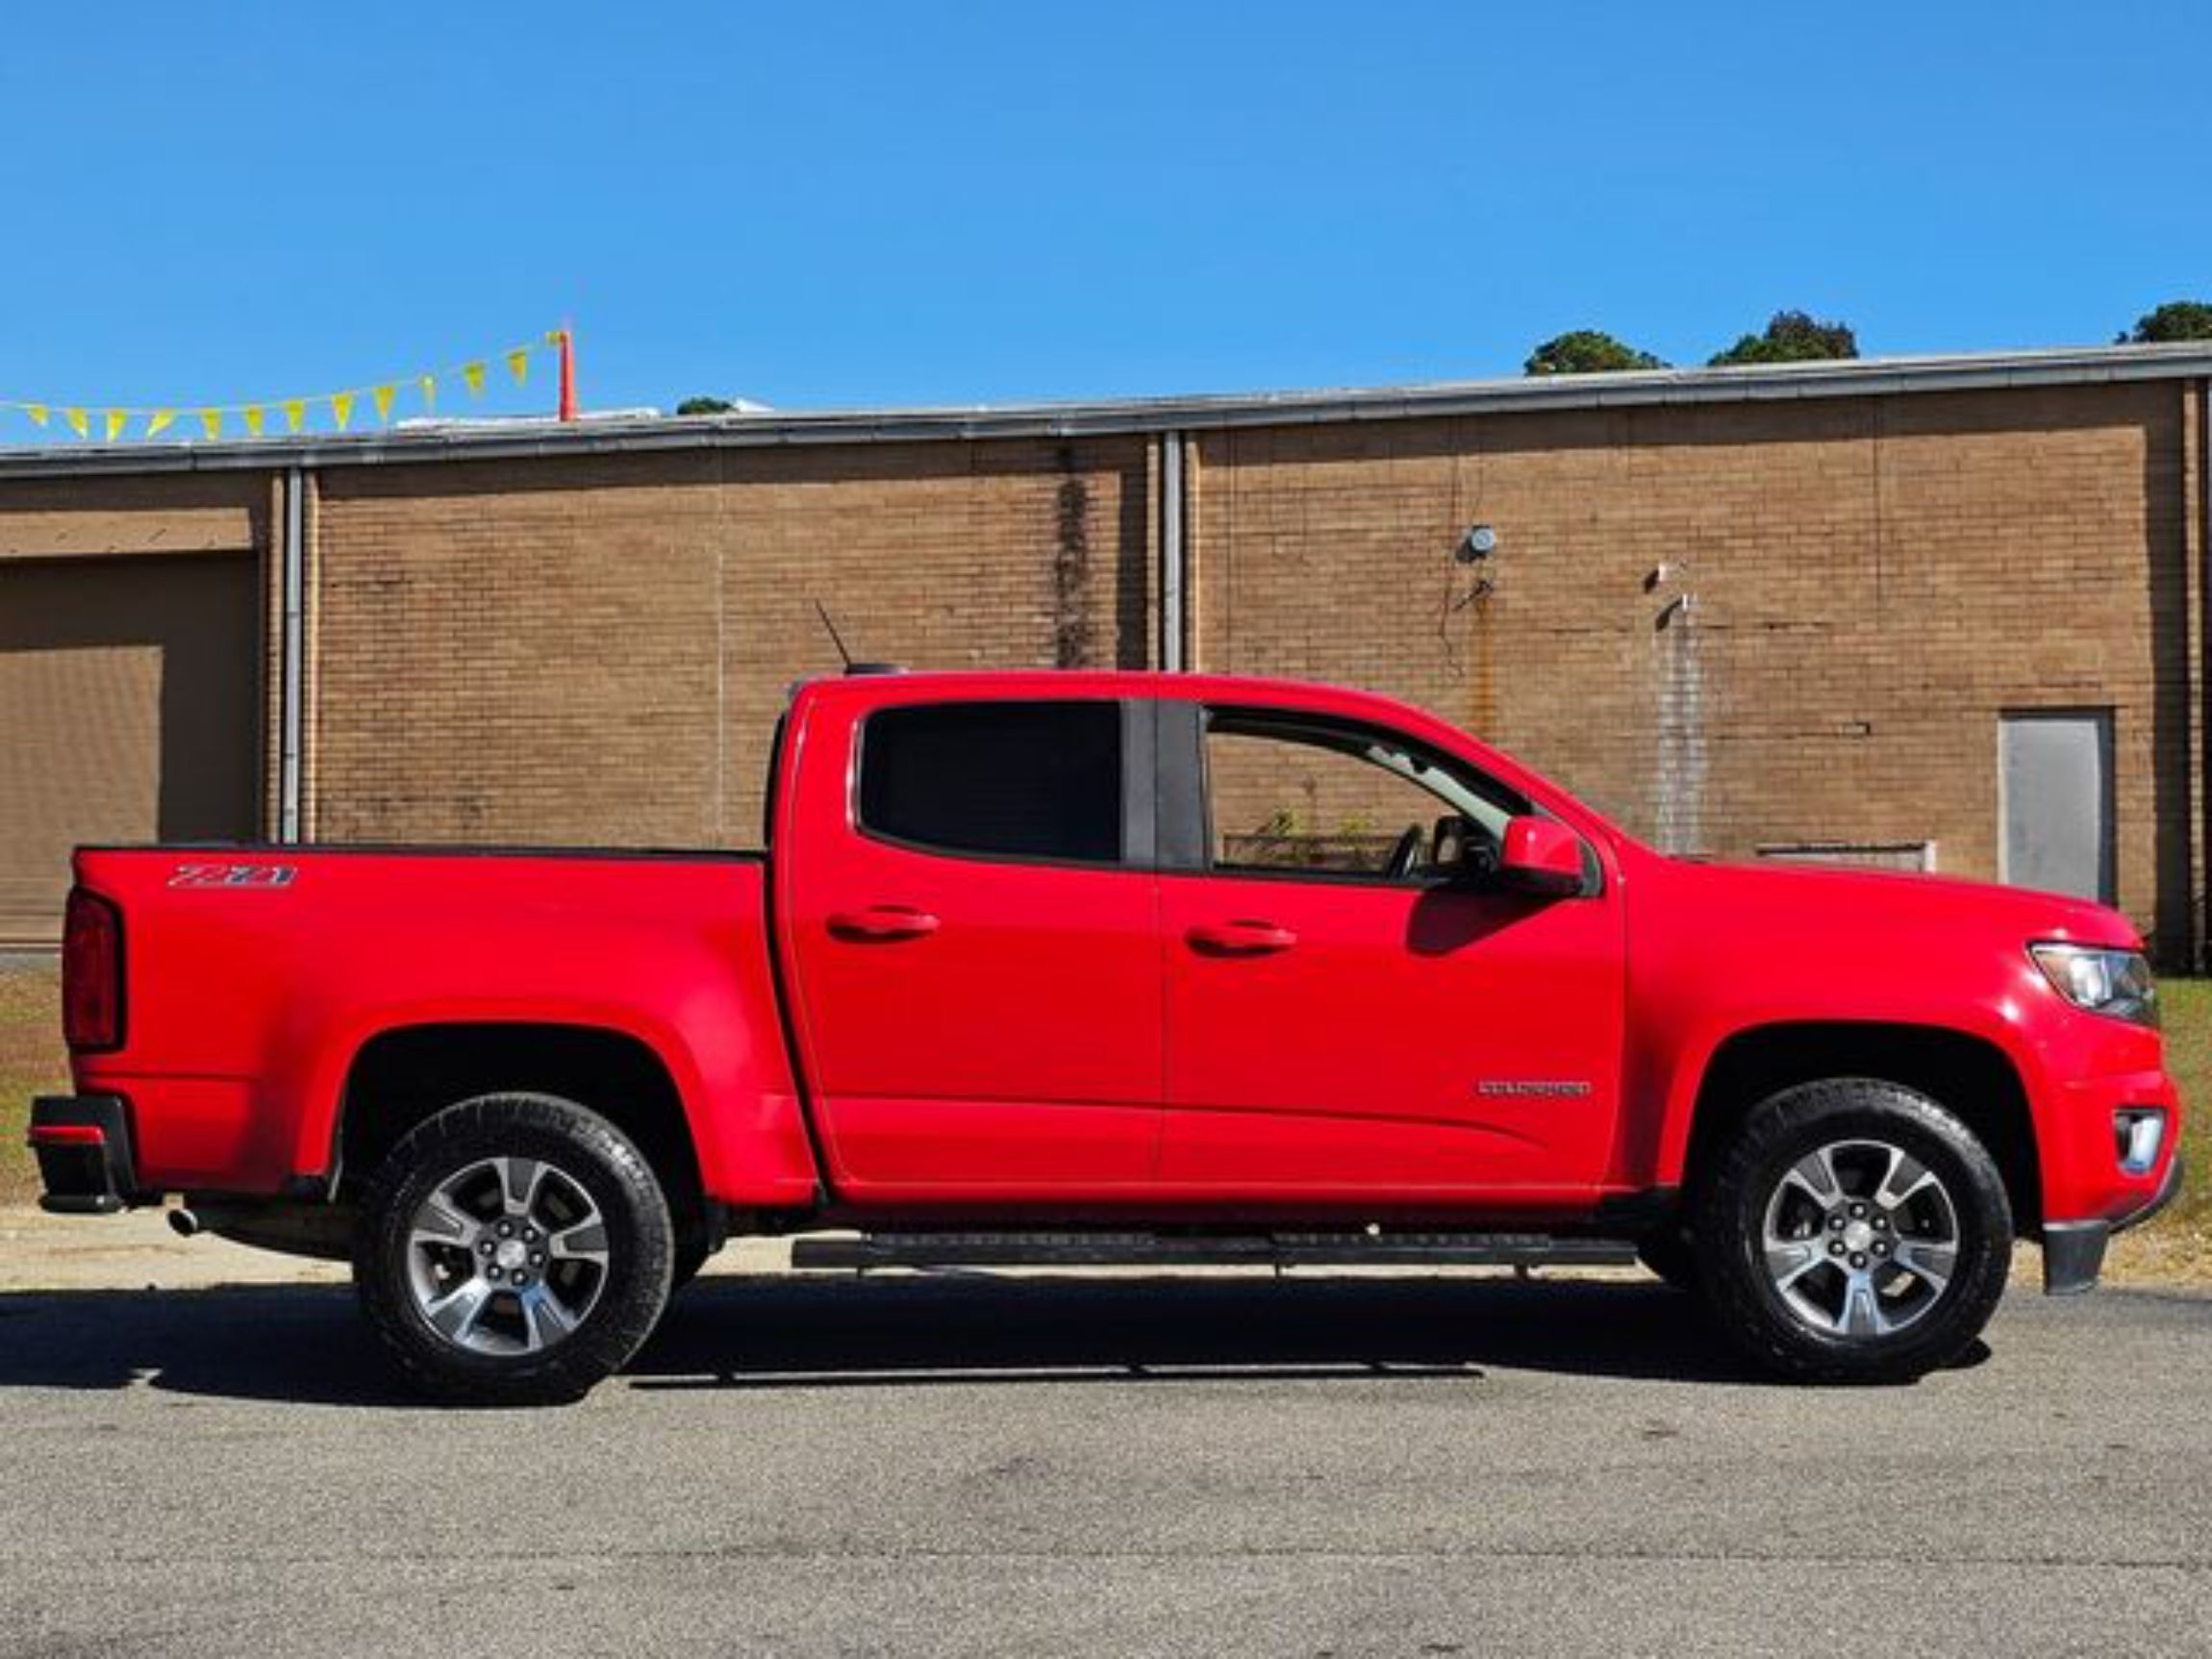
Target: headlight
2114,982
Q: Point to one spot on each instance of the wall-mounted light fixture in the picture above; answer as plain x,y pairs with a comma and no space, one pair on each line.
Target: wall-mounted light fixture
1478,543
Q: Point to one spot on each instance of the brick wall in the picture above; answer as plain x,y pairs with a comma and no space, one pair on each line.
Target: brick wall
595,650
1731,625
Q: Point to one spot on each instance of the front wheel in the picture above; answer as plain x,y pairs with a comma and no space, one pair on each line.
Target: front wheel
514,1249
1853,1231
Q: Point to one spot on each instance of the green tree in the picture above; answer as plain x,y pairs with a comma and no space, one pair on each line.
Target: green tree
1790,337
2176,319
1587,351
705,406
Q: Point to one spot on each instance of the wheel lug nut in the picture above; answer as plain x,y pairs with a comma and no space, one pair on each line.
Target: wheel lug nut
537,1259
1857,1260
530,1235
492,1273
1835,1247
1858,1209
1835,1224
486,1246
507,1229
1881,1249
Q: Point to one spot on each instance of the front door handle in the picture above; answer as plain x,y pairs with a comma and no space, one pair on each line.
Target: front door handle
1242,938
882,925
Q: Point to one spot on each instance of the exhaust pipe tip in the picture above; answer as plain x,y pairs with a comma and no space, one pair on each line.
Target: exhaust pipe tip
185,1224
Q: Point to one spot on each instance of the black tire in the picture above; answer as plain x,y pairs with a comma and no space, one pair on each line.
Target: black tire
1668,1255
589,1163
1846,1127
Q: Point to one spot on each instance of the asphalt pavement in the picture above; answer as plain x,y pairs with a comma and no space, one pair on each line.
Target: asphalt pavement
1227,1465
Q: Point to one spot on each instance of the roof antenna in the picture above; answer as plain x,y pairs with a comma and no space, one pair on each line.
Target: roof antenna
835,638
838,640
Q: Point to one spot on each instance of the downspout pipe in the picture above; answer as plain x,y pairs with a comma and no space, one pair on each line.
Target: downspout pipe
291,719
1171,561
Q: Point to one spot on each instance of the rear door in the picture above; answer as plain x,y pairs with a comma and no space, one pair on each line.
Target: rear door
1348,1024
971,928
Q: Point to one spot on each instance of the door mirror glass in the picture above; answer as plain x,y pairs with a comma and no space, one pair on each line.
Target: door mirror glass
1541,857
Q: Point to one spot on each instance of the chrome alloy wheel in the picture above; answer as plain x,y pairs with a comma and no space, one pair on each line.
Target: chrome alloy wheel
507,1256
1861,1239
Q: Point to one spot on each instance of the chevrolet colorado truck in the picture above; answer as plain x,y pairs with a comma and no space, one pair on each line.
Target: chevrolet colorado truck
1134,965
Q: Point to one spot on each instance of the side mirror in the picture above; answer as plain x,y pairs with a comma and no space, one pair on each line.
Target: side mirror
1541,857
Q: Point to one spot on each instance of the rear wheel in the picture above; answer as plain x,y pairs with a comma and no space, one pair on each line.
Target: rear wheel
514,1251
1853,1231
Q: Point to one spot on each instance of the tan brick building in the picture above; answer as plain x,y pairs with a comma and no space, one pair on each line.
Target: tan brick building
1851,610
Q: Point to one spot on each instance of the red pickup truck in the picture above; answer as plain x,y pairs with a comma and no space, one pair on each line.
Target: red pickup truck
1139,966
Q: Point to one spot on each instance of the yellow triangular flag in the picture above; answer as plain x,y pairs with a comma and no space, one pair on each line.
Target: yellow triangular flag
519,364
555,335
341,409
212,423
295,411
160,422
114,423
382,396
37,411
474,374
253,413
77,422
429,383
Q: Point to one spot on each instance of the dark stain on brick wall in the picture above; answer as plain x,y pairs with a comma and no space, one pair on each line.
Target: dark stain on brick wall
1071,631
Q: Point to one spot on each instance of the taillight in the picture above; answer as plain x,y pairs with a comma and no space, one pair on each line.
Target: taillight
91,974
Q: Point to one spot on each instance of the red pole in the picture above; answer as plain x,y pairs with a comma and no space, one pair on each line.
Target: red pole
567,374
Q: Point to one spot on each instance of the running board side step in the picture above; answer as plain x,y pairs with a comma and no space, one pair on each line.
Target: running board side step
1277,1250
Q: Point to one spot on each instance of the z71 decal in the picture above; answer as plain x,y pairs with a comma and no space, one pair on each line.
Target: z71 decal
233,875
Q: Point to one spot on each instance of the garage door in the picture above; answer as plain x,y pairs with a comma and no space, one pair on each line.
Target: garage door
129,711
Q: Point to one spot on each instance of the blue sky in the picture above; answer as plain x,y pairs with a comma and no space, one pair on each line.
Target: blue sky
828,204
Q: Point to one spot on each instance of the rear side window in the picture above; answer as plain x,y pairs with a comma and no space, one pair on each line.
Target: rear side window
996,780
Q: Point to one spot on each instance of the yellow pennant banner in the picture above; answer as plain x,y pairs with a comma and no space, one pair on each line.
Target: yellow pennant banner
333,410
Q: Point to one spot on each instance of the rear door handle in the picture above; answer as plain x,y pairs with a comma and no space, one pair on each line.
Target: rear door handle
882,925
1241,939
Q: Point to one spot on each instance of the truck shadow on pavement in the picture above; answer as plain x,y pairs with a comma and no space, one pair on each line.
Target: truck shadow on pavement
305,1344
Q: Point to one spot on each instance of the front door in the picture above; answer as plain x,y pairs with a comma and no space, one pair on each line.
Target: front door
1345,1023
974,939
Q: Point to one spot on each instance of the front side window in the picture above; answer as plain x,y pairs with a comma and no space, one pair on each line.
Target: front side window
996,780
1296,794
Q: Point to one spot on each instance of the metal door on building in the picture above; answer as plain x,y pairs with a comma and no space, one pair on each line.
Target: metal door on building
2054,800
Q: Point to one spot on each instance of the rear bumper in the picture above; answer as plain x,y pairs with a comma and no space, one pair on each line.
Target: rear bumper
83,1142
2074,1251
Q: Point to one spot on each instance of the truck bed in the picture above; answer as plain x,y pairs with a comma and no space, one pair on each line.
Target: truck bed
279,966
